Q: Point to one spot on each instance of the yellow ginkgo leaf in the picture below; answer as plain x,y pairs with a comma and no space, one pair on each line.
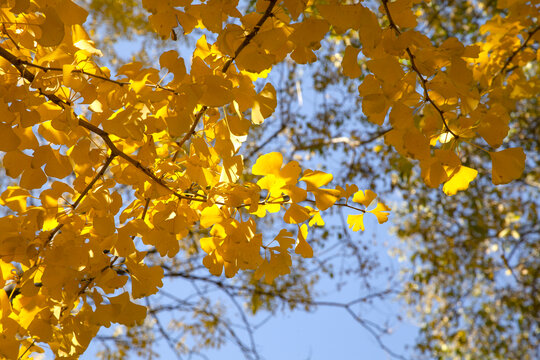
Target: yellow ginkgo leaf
296,214
20,6
177,124
88,46
238,125
302,246
350,62
124,244
126,312
254,59
10,141
15,162
402,13
165,242
207,244
324,198
187,21
493,129
507,165
356,222
58,165
268,164
416,144
364,198
264,104
28,309
382,212
138,85
316,219
374,105
173,63
290,172
67,74
342,17
309,32
296,194
273,184
387,69
145,280
104,225
52,30
211,215
460,180
348,191
433,172
14,198
285,240
70,13
316,179
214,263
279,264
217,91
33,178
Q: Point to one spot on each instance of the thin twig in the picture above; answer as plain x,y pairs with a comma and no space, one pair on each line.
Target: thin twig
83,194
530,34
101,77
269,139
25,351
371,327
162,331
9,36
344,140
146,204
423,80
29,76
251,35
229,62
248,326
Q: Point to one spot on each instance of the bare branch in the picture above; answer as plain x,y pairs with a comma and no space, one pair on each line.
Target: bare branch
162,330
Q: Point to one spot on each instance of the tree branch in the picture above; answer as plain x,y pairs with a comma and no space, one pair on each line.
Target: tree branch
354,143
423,80
82,195
162,331
229,62
530,34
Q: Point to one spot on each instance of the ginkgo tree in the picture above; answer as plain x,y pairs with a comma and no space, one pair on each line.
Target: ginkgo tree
76,136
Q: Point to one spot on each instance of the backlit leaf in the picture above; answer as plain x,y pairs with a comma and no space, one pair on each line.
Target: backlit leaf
507,165
382,212
211,215
364,197
350,62
316,179
302,247
460,181
268,164
296,214
356,222
10,140
52,30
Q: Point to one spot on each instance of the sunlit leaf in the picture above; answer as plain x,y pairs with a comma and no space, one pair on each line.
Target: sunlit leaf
507,165
460,181
364,197
302,247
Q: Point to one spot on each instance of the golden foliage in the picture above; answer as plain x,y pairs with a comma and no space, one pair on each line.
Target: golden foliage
175,141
